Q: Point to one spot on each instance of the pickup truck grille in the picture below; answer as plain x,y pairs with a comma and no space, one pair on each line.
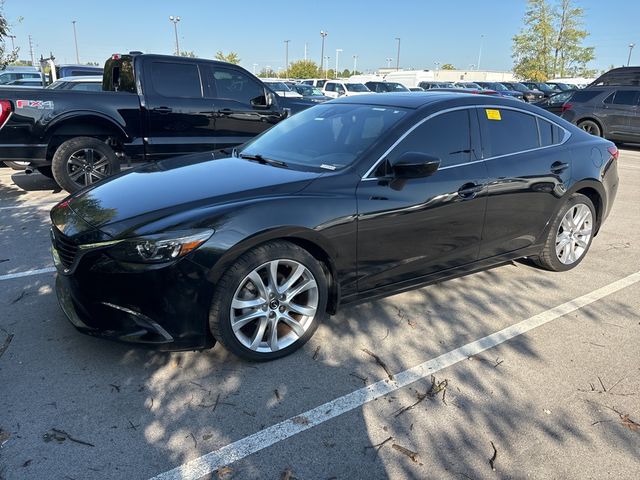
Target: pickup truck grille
66,248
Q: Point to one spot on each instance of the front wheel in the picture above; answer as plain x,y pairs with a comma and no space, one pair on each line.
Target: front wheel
270,302
82,161
570,235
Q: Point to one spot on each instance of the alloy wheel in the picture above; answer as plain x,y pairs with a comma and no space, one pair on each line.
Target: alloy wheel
591,128
87,166
274,305
574,234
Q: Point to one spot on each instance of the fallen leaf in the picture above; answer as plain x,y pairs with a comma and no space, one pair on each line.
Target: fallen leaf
630,424
405,451
224,472
547,411
207,437
287,474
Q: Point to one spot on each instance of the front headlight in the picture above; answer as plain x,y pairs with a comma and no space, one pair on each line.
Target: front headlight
163,247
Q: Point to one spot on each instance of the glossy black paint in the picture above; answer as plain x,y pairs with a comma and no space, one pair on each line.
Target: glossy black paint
376,235
134,118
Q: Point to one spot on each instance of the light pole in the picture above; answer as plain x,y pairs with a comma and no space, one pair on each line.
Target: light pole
355,63
389,60
398,55
437,64
338,50
286,58
75,39
13,45
631,45
254,68
480,52
306,45
175,21
326,72
323,34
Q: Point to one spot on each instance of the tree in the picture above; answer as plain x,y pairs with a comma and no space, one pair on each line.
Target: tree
448,66
12,55
303,69
231,57
189,54
267,73
550,43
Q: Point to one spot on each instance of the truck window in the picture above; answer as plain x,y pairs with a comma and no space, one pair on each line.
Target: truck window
229,84
176,80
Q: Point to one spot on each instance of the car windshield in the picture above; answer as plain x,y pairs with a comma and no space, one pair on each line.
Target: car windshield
560,97
471,85
328,136
356,87
308,91
396,87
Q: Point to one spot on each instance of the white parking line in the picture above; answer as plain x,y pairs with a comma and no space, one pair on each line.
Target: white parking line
40,271
29,205
244,447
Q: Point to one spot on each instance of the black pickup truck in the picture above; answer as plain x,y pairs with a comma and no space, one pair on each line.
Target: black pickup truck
150,107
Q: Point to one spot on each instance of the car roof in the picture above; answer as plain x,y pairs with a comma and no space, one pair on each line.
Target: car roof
415,100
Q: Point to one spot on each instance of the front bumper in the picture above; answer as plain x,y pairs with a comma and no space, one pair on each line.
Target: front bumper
166,309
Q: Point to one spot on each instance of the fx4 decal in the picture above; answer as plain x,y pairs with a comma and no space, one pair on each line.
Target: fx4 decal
38,104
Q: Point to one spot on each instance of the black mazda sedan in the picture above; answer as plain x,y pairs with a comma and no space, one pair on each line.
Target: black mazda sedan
350,200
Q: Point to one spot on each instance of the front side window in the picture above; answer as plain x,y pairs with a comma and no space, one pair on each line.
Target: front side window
508,131
446,136
329,136
176,80
330,87
233,85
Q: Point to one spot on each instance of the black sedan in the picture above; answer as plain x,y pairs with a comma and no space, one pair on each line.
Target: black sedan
353,199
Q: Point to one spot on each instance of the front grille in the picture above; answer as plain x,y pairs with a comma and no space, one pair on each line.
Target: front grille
67,249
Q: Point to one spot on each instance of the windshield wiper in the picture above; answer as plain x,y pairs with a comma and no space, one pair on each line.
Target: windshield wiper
265,161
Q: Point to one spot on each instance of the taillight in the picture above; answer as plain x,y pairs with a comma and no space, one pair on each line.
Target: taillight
613,150
565,107
115,56
5,111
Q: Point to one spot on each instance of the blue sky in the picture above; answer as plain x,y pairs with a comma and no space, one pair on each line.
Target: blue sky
444,32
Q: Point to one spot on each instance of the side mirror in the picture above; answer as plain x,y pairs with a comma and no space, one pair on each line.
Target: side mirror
415,165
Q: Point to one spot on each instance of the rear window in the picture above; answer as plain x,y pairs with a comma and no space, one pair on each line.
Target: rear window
177,80
508,131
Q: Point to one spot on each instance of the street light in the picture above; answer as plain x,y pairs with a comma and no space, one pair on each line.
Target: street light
254,68
326,72
398,55
338,50
75,39
286,58
175,21
389,60
480,52
631,45
323,34
355,63
437,64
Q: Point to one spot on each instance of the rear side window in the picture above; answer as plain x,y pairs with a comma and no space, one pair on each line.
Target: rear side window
321,83
582,96
550,134
508,131
447,136
624,97
176,80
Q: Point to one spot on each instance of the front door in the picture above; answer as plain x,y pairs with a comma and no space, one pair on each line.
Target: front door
414,227
621,110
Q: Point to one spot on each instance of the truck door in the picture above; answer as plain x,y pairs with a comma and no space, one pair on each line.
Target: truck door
238,103
179,117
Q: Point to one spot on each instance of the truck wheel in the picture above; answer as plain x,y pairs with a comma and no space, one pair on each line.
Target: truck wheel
83,161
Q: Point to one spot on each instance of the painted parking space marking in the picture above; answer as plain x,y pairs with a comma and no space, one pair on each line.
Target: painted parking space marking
29,205
28,273
262,439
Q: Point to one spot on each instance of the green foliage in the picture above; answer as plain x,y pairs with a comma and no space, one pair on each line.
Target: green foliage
6,57
267,73
189,54
448,66
303,69
550,43
231,57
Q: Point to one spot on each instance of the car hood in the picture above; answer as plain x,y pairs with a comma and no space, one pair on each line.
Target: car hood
172,187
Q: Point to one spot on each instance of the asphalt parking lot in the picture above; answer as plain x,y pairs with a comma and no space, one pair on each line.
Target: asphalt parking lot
554,394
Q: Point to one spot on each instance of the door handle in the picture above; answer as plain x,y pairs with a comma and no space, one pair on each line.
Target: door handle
559,167
162,110
469,190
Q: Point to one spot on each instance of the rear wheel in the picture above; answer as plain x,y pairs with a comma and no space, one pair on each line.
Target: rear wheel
270,302
591,127
570,235
82,161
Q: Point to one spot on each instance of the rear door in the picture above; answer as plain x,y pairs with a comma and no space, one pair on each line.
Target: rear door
621,111
179,117
528,170
238,102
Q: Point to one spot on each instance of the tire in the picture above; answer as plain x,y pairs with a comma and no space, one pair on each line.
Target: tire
83,161
557,257
591,127
16,165
252,339
46,171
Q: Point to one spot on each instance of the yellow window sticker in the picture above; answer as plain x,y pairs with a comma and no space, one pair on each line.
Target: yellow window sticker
493,114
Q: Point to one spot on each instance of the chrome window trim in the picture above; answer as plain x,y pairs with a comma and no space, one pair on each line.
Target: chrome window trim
567,135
